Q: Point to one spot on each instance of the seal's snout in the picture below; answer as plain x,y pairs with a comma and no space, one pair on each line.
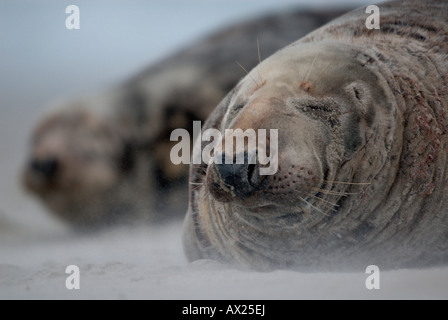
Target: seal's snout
227,181
41,173
46,168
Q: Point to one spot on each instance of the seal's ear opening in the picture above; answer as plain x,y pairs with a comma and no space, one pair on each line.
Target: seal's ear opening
360,97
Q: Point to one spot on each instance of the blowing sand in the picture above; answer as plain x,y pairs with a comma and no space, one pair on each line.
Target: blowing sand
42,63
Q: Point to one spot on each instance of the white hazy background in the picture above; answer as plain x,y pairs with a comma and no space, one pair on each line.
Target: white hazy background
42,62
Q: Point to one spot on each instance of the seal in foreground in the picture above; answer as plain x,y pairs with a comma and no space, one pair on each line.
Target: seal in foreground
361,118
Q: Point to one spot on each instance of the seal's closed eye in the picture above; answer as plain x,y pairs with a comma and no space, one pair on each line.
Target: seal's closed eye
238,107
318,108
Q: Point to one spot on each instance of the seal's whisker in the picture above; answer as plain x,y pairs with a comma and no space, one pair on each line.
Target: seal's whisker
305,210
348,183
322,71
258,47
325,201
311,205
259,63
334,193
197,184
311,67
259,60
247,72
278,99
205,194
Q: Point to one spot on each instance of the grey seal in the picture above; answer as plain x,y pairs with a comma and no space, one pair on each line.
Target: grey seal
362,160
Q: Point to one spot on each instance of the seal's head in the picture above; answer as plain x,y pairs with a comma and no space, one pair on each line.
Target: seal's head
76,160
329,107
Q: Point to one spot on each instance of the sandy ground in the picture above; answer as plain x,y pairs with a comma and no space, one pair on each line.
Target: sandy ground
149,264
40,63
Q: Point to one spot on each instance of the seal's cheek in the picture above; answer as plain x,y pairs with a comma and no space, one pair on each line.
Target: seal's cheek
352,137
96,177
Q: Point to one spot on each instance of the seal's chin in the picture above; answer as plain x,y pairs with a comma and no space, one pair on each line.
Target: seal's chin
273,213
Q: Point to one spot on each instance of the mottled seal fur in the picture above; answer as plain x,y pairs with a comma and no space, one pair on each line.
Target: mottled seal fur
362,151
105,159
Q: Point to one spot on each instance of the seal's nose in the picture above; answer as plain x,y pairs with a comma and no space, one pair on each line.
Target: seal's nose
46,168
225,181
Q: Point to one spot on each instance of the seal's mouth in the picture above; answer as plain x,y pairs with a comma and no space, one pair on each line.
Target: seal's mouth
293,190
273,213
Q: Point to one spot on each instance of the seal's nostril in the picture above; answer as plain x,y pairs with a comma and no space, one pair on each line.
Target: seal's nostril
229,180
47,168
217,186
250,172
253,175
